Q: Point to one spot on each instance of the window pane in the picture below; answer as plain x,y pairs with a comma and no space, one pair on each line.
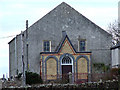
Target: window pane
66,60
82,45
46,46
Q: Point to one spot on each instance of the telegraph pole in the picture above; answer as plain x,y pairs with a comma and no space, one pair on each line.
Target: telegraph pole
24,79
22,46
27,44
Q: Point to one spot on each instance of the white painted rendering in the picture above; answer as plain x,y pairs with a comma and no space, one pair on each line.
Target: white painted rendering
115,57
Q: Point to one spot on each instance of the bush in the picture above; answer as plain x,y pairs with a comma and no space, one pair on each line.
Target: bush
33,78
101,67
118,71
115,71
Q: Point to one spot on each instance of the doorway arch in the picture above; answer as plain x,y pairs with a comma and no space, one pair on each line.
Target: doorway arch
66,65
66,60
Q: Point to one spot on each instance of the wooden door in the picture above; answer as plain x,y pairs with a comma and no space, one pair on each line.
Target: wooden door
65,71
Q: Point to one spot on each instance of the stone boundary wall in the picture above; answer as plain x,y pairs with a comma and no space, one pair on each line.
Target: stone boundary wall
13,83
108,85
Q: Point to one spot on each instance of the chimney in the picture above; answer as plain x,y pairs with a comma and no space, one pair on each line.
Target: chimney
64,34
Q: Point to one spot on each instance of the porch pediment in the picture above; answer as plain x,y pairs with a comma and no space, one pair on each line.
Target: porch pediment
66,47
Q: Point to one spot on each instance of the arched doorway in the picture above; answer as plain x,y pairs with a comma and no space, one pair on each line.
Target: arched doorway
66,66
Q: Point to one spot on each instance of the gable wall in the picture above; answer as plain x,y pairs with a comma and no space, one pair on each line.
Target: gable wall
65,18
52,25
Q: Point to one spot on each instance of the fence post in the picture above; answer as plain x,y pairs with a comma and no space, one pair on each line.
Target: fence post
70,78
89,77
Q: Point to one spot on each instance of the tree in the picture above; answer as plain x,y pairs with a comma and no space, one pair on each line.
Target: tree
114,30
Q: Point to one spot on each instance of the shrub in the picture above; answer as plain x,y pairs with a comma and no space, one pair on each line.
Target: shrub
118,71
33,78
115,71
101,67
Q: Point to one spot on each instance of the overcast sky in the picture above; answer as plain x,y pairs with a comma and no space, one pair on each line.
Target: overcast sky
14,13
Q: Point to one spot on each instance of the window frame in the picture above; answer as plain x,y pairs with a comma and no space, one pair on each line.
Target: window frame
67,62
80,46
46,46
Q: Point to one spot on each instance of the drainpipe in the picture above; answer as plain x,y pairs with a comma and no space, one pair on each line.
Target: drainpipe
15,56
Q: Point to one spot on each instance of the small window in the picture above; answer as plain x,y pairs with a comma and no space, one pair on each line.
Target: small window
46,46
82,45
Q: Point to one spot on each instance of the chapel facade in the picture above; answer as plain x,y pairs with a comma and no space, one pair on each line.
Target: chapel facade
57,64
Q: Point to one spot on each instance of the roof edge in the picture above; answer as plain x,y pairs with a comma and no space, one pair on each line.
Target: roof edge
58,52
11,40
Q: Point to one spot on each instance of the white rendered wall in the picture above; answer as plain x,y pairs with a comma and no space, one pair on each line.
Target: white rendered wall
115,57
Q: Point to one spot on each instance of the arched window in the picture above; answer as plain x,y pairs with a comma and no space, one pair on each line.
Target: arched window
66,60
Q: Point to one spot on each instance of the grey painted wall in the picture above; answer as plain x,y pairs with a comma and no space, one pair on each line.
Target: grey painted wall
12,68
50,27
